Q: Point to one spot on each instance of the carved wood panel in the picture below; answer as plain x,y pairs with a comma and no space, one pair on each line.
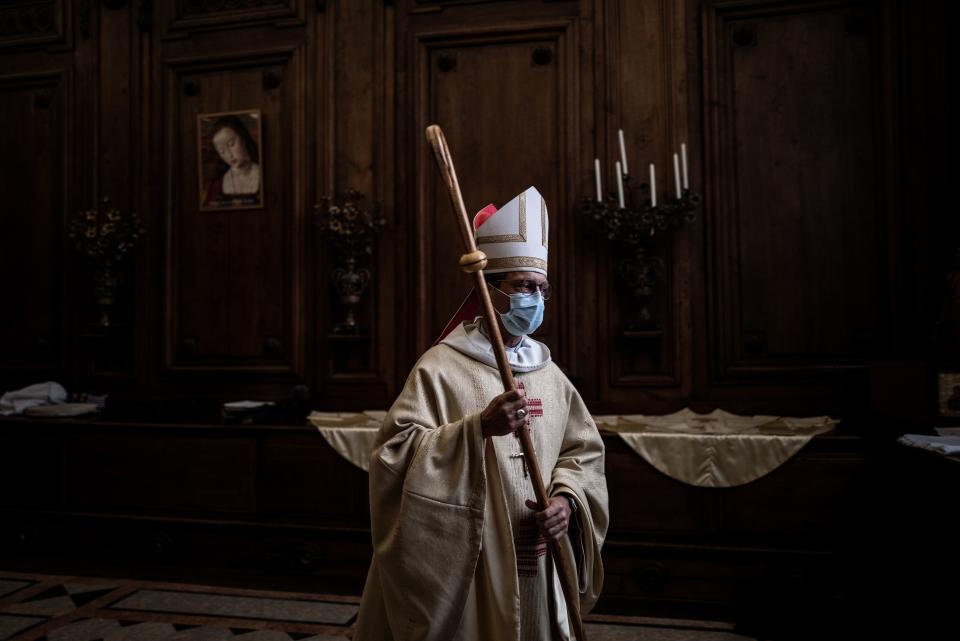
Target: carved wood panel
802,259
800,184
643,342
177,474
502,100
646,90
32,22
33,245
234,296
355,105
187,16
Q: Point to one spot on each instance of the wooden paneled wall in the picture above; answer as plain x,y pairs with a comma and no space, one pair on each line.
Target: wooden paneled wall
808,261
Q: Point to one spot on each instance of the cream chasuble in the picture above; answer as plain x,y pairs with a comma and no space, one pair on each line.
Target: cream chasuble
457,554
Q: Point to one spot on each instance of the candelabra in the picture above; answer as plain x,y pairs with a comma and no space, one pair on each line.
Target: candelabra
634,229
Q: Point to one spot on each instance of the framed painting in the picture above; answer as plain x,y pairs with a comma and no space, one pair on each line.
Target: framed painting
230,155
949,394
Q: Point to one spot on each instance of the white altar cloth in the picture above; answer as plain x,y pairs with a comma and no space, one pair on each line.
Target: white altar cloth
718,449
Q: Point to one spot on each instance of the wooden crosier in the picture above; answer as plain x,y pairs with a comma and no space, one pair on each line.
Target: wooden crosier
473,262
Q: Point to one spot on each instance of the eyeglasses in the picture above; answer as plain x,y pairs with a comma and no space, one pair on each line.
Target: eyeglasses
526,287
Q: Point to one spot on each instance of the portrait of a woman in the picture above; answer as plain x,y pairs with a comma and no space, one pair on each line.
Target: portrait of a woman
230,171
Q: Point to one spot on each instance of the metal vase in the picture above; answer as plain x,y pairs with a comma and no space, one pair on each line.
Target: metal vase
350,283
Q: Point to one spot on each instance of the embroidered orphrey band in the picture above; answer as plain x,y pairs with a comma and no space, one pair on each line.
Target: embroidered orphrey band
515,261
511,238
545,236
530,547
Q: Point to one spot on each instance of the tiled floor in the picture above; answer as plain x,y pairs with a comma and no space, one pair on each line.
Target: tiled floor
58,608
64,608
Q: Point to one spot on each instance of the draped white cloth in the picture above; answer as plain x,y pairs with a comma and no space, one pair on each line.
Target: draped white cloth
16,401
718,449
351,434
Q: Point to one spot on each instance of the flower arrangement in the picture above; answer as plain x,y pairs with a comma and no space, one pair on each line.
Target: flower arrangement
105,237
349,225
351,228
105,241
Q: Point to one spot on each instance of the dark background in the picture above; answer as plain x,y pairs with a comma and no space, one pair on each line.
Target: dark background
811,282
817,136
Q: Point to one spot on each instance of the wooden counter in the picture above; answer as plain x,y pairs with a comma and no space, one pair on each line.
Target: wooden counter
276,506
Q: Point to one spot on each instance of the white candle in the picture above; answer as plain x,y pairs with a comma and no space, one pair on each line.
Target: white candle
653,185
619,186
676,175
596,171
686,177
623,152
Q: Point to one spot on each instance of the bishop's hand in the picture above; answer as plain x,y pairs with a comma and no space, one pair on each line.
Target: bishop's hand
553,521
500,417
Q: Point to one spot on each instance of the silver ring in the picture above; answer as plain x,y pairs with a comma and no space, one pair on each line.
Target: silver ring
521,413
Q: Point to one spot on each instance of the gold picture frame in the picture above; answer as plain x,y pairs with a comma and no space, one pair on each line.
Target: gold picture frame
230,160
949,387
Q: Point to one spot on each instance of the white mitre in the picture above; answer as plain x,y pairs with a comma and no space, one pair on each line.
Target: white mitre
514,238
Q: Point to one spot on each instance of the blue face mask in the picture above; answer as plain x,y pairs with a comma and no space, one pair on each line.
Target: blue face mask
525,315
